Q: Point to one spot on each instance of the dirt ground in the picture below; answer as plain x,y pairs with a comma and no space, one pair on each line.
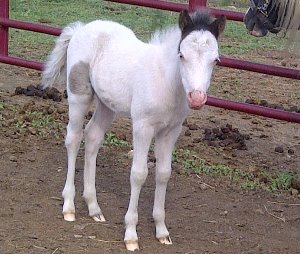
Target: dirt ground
220,218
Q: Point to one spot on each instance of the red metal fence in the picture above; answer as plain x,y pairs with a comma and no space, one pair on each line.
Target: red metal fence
6,22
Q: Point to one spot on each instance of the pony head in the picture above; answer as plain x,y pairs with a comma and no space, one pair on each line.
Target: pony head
198,52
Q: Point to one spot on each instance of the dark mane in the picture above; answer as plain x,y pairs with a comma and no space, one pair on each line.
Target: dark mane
200,20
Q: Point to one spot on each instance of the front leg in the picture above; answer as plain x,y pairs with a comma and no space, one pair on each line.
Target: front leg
142,137
164,144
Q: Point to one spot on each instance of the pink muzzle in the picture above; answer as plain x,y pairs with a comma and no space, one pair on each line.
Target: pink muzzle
196,99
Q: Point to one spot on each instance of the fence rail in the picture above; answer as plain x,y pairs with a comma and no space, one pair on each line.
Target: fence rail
6,23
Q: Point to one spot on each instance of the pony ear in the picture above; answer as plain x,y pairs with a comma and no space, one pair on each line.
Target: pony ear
184,19
218,26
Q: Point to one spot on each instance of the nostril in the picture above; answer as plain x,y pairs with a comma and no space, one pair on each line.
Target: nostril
196,99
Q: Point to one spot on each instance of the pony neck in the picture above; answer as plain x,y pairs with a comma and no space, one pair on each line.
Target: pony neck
168,40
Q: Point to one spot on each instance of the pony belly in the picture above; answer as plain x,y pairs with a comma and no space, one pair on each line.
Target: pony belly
117,101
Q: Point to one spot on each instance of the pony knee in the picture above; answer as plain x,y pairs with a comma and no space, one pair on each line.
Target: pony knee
73,137
139,175
93,138
163,176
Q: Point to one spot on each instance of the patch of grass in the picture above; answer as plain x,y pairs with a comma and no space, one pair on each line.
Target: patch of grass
2,105
282,180
60,13
238,41
192,163
112,140
1,108
38,123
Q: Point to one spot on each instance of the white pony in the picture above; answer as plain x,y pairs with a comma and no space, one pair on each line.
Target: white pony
154,83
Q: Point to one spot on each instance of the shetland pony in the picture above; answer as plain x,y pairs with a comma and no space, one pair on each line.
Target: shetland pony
154,83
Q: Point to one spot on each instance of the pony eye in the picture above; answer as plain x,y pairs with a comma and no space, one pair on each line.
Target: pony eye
217,60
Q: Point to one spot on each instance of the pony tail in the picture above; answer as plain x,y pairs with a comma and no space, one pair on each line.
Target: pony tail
55,68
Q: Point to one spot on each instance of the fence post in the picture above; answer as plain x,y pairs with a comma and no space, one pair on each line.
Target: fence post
4,14
194,4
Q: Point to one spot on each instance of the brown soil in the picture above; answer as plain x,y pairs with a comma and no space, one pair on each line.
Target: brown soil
205,214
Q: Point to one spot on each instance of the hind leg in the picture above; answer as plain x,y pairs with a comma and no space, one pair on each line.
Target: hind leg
78,106
94,136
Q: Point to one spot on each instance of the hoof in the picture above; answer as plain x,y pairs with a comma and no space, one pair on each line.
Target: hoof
69,216
132,245
165,240
99,218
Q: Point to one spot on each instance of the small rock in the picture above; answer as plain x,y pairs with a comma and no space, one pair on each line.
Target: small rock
283,63
295,184
207,131
279,149
193,127
187,133
250,101
130,154
197,140
263,103
13,158
263,179
259,211
203,186
61,111
32,131
224,213
294,192
225,129
19,90
295,65
291,151
234,154
50,110
185,122
263,136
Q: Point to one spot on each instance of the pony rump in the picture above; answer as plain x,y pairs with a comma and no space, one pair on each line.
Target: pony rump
55,70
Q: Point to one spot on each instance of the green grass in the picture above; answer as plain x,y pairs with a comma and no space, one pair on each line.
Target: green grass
239,42
112,140
193,164
60,13
42,124
142,20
